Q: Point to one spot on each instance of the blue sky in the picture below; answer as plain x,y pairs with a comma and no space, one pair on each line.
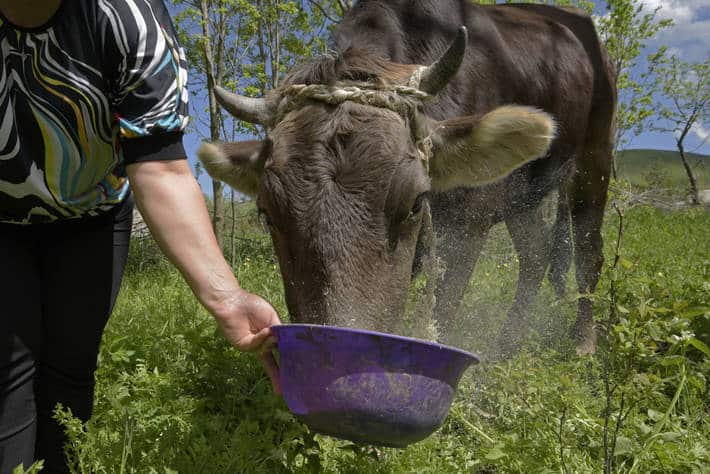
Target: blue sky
689,39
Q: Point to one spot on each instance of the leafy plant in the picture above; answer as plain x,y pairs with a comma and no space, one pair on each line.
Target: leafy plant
172,396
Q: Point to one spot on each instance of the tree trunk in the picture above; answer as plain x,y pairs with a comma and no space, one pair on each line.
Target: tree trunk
218,199
218,211
233,238
694,198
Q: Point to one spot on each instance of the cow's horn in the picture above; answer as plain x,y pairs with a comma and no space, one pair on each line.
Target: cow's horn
435,77
249,109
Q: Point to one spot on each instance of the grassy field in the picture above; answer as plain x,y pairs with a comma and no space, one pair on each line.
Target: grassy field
662,169
173,397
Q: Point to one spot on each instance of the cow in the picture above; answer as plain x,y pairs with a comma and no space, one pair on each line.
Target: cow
466,114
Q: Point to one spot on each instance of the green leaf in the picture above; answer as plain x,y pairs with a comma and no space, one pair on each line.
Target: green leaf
699,345
694,312
623,446
495,453
672,360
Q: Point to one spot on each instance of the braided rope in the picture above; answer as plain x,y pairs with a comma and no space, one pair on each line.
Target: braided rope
400,99
416,78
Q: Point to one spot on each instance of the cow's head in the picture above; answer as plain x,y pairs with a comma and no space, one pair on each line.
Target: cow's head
343,175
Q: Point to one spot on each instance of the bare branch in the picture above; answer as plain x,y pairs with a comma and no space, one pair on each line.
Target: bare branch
345,6
322,10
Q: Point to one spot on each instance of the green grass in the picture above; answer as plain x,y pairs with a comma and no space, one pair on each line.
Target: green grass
173,396
661,168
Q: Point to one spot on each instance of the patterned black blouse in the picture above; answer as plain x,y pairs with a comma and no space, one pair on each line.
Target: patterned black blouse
99,86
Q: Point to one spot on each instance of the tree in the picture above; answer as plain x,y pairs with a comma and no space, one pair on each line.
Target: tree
204,30
686,89
219,37
625,31
245,45
285,33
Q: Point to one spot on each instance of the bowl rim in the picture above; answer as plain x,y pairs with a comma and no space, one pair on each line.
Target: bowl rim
474,357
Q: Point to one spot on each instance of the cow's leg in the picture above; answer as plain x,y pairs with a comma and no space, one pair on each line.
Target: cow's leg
458,248
588,204
531,240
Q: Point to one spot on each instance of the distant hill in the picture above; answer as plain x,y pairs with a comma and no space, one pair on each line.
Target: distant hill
662,168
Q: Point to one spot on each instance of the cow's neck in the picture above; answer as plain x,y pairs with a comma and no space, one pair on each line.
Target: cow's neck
29,13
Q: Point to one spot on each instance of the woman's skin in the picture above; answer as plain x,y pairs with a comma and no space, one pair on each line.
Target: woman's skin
172,204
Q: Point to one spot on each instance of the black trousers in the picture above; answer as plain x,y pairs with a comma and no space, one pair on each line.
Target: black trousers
58,285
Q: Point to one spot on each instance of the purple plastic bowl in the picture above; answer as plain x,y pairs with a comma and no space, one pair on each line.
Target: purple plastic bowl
365,386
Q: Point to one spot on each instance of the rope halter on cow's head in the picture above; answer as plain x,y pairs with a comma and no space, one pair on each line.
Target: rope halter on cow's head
403,100
400,99
425,82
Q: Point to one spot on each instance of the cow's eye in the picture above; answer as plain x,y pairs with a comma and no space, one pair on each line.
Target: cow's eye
416,209
418,203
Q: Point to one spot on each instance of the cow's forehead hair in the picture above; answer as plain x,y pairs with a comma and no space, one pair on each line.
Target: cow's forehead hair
320,125
349,65
371,101
350,143
324,136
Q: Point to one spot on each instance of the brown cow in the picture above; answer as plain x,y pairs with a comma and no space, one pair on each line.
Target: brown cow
358,146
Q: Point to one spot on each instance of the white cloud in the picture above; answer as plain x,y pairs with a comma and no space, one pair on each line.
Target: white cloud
680,11
689,37
693,40
698,135
691,79
700,131
677,52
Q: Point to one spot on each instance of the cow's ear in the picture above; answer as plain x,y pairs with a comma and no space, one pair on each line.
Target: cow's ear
473,151
239,164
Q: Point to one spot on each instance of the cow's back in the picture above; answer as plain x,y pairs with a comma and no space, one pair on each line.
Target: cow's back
517,53
526,54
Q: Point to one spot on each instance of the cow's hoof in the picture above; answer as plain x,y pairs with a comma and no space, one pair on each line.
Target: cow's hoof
445,332
586,348
585,334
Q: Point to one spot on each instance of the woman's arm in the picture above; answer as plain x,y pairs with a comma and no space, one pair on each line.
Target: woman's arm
172,205
147,75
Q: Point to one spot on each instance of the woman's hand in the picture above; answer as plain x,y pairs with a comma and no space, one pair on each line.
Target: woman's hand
245,319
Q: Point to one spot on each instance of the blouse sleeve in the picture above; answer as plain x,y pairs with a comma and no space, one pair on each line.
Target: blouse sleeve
146,73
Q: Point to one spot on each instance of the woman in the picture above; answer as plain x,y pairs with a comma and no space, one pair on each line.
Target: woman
92,95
